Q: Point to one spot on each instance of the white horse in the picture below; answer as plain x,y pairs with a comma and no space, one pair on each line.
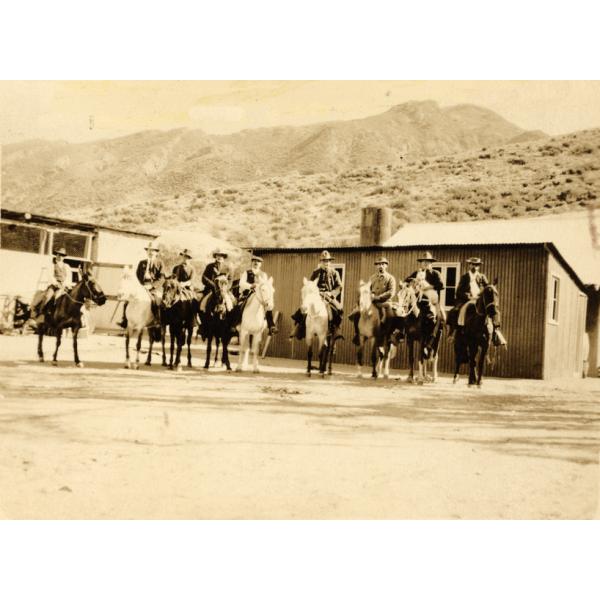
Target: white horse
371,330
253,322
138,314
317,324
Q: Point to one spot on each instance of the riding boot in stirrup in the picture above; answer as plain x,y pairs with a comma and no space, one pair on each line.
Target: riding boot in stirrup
270,323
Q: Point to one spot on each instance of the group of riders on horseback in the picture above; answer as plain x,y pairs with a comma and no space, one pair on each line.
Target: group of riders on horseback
417,296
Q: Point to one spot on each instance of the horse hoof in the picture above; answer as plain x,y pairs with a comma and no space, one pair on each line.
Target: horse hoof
54,363
41,358
410,380
179,368
256,370
308,374
136,366
79,365
386,376
238,369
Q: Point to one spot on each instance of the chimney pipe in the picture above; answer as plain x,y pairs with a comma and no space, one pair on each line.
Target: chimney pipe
375,225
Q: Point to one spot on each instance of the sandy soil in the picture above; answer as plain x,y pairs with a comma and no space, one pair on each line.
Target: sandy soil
105,442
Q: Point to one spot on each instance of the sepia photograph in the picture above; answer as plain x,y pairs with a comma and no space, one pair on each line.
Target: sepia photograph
300,299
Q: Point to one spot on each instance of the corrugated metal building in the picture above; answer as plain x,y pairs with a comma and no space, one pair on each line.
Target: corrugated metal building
543,299
28,240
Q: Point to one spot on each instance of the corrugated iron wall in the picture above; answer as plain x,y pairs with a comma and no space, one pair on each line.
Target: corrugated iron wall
520,270
564,337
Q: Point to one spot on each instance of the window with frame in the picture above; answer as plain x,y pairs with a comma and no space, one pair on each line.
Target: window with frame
74,243
21,238
449,273
341,269
554,299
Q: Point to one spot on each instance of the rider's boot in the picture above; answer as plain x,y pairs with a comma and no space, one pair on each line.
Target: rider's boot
270,322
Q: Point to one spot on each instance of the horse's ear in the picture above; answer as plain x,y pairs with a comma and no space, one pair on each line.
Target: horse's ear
361,283
271,280
304,280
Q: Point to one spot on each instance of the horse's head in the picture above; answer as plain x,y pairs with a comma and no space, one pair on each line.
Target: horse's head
265,292
91,289
489,301
407,299
129,286
221,293
364,296
171,292
309,294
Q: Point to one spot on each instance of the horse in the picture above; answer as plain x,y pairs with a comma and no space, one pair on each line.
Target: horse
139,316
66,314
471,344
179,314
371,330
253,322
317,325
219,323
420,326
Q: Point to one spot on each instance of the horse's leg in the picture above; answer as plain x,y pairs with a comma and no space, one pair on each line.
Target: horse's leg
482,355
190,333
127,361
225,351
138,347
40,348
171,346
241,347
150,344
255,347
472,361
58,340
374,358
359,356
323,355
208,350
163,336
330,355
411,360
434,363
309,355
78,363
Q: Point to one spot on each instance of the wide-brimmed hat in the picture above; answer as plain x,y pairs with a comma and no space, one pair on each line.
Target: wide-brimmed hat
219,252
153,245
426,257
326,256
185,252
474,261
256,258
61,251
382,260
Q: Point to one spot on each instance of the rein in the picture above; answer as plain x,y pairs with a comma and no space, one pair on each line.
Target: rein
68,295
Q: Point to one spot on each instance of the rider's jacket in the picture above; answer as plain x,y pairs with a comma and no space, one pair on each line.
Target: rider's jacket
61,274
211,272
432,277
468,284
149,274
383,286
184,273
248,278
328,280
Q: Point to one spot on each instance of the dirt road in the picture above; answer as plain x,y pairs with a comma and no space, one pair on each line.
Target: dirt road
105,442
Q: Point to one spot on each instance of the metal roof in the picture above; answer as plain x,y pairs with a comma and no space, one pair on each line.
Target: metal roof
81,226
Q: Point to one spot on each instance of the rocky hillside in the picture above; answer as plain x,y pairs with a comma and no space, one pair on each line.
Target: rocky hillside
151,165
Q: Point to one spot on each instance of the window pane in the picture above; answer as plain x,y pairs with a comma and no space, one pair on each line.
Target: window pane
451,276
438,269
73,243
450,296
19,237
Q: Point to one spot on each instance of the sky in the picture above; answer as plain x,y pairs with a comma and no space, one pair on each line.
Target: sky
79,111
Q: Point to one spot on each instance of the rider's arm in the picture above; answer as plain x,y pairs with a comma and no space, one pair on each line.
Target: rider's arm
244,285
337,283
206,280
140,272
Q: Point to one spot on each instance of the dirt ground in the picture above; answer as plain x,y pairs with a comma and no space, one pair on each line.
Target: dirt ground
105,442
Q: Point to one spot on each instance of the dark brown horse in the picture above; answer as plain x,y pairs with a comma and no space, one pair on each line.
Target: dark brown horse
178,313
472,342
219,321
65,313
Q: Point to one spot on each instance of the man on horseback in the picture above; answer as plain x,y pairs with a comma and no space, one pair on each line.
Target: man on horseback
248,282
330,285
428,283
61,280
470,286
383,289
149,272
184,272
211,273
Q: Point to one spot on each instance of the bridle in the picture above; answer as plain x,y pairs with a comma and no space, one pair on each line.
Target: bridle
260,297
87,285
486,304
310,303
